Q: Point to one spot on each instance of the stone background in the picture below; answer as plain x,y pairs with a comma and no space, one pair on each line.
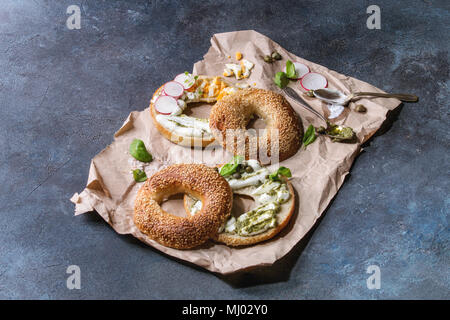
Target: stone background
63,93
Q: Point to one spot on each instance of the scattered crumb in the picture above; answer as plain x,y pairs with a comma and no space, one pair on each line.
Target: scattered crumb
238,56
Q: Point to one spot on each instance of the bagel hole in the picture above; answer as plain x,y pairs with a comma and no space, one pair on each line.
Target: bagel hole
256,122
174,205
198,110
241,204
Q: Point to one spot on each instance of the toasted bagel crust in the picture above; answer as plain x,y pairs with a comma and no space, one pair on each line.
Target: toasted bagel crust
183,232
236,110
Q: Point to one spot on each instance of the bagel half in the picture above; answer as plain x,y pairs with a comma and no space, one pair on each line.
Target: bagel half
283,217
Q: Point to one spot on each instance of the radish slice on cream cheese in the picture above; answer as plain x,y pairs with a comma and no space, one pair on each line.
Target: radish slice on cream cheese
173,89
300,69
313,81
187,80
166,104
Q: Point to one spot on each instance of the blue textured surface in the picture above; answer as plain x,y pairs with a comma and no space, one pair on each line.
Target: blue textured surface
63,93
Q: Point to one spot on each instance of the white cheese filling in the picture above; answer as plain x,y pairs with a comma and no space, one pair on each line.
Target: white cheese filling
185,126
248,180
269,195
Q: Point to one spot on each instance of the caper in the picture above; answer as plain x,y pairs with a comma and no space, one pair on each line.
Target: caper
248,169
360,108
310,93
275,55
268,59
320,130
236,175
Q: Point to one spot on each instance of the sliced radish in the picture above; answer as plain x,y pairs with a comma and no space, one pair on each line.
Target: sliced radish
166,104
173,89
313,81
187,80
300,69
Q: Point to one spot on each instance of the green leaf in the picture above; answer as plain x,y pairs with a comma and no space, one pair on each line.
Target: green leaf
139,152
310,135
282,171
309,131
281,79
285,172
231,167
139,175
290,70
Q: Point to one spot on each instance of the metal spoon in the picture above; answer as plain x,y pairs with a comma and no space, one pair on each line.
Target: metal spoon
338,97
293,95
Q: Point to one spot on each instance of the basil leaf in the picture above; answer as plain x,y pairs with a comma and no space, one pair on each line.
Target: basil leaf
139,175
285,172
310,139
290,70
309,131
231,167
281,79
228,169
138,151
282,171
310,135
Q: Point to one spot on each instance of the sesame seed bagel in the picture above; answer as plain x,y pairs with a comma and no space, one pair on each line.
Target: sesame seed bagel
235,112
173,231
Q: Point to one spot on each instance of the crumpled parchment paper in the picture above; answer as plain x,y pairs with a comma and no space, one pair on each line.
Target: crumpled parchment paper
318,172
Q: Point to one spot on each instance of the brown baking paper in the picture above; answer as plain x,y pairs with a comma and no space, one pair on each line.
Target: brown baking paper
318,172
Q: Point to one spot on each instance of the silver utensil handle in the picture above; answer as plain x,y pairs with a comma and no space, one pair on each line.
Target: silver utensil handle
294,96
401,96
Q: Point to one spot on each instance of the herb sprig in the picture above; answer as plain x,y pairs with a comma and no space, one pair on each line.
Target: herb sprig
290,70
139,175
231,167
139,152
282,78
282,171
309,136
